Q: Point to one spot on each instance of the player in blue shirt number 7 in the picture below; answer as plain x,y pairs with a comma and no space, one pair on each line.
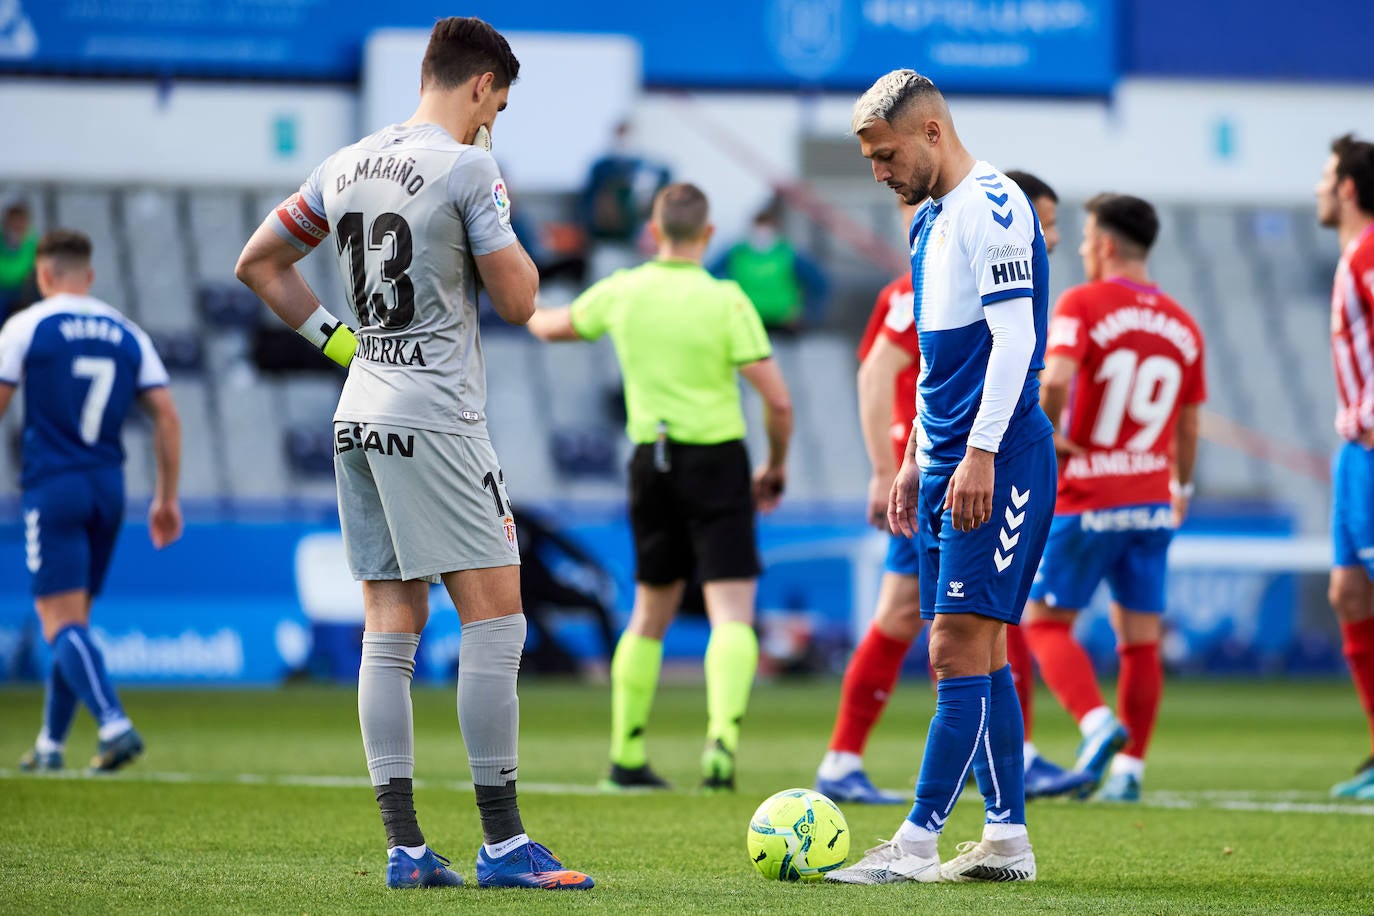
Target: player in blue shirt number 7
977,483
82,365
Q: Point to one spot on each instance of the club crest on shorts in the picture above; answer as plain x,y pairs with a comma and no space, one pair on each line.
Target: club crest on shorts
508,523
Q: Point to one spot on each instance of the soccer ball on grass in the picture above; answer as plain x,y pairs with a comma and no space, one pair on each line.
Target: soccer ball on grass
797,835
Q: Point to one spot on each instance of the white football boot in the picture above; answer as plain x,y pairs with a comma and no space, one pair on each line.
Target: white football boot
992,860
888,863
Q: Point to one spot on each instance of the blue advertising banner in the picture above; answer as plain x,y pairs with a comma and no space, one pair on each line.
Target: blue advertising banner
235,603
1004,46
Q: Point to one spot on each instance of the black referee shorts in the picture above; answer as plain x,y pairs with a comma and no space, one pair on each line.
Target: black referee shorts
698,516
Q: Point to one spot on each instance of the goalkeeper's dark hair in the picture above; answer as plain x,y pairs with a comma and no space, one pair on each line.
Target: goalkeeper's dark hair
1355,160
66,249
461,47
681,212
1034,187
1132,221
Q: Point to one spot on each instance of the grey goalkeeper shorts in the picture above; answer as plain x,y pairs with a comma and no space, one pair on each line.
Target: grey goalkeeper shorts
414,504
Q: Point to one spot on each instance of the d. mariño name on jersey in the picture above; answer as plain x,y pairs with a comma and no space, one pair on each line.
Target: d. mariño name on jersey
385,168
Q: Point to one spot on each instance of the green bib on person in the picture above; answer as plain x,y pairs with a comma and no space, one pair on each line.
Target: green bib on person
769,279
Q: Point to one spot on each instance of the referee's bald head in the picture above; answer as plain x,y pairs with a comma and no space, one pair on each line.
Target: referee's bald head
681,212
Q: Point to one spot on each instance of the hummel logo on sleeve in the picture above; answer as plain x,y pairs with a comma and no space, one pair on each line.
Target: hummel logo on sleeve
989,183
956,590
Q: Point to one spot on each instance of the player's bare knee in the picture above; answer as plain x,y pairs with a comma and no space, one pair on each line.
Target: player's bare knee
649,622
1135,628
647,627
1351,594
902,622
961,645
898,613
62,610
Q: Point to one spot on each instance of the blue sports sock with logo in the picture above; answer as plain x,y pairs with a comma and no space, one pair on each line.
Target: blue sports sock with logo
59,707
83,668
954,740
1000,764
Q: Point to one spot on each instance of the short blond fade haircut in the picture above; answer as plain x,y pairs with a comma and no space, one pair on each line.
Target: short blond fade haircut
890,97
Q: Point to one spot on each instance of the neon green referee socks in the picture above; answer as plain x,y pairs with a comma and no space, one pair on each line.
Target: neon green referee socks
634,678
732,657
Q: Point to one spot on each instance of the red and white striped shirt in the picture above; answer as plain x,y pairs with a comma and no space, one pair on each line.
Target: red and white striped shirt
1352,336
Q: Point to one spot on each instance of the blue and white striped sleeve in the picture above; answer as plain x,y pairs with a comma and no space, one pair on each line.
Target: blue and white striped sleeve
151,372
15,338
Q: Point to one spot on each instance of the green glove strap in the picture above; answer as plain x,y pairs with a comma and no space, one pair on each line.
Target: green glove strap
341,345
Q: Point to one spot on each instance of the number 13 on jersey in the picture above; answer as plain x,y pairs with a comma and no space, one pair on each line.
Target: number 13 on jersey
387,239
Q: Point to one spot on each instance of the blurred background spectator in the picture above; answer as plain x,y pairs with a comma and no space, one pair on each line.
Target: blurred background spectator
787,288
18,241
614,204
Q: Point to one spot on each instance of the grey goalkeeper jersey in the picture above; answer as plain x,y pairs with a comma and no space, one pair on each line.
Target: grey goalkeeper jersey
409,208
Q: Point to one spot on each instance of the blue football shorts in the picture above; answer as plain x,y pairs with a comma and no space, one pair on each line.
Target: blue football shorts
1128,546
902,556
71,522
988,570
1352,511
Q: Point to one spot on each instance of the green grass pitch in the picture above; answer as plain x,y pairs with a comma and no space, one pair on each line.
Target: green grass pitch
257,802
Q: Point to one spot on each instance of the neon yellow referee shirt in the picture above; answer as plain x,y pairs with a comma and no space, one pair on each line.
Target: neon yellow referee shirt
680,335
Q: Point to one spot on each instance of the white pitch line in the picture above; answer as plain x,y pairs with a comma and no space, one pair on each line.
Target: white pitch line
1276,802
284,779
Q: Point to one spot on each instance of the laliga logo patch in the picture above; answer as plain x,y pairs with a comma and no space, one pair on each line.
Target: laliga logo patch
508,523
501,199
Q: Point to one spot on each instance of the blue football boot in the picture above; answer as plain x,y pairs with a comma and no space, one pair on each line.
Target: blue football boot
429,870
117,752
1096,752
36,761
528,865
1356,786
1045,779
1120,787
856,787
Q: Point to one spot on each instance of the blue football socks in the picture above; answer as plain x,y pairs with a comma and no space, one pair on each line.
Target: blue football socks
1000,764
59,708
83,668
954,741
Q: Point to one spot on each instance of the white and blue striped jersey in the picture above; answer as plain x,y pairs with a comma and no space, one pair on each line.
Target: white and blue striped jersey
977,246
81,364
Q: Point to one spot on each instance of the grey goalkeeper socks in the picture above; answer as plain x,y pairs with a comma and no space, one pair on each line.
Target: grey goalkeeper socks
489,716
384,710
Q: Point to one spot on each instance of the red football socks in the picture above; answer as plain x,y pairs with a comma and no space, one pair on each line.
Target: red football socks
1138,692
1022,673
1358,639
1064,666
868,682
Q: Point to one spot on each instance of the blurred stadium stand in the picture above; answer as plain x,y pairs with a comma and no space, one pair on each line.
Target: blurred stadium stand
1167,99
555,412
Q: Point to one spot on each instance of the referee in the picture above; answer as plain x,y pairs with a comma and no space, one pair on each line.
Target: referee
681,336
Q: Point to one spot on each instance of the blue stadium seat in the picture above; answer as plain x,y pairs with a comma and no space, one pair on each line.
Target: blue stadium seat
310,451
181,351
588,451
